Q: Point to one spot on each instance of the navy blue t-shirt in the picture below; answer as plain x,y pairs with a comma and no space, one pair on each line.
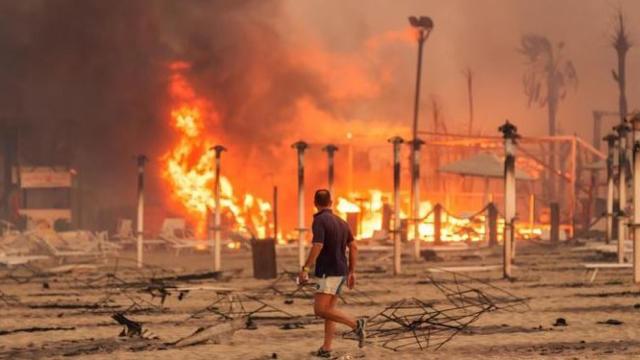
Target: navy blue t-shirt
334,235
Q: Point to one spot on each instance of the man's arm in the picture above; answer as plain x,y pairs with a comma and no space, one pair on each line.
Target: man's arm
317,242
313,255
303,276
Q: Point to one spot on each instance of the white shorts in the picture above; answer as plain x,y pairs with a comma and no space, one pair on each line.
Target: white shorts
330,285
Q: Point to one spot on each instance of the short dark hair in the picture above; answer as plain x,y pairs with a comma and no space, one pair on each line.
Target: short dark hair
322,198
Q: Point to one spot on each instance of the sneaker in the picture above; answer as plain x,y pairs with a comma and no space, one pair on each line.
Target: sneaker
322,353
361,331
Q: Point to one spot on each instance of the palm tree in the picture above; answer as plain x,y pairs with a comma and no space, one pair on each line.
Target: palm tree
621,44
546,81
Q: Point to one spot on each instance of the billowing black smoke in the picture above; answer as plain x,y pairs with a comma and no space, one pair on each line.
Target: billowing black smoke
85,82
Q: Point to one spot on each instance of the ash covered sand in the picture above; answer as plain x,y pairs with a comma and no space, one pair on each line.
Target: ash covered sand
551,277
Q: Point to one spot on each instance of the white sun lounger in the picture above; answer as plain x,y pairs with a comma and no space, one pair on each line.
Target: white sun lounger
595,267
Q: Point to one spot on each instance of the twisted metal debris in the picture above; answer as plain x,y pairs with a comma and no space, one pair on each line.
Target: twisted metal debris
231,306
460,290
416,324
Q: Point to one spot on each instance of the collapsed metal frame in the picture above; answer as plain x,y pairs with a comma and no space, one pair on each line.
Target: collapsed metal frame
412,323
229,306
457,293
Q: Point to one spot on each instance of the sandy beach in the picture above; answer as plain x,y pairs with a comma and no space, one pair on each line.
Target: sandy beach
72,318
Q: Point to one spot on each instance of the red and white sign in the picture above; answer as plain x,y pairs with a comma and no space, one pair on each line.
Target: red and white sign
44,177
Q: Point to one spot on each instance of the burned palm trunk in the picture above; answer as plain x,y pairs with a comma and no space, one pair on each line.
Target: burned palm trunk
415,195
611,153
215,232
141,161
510,135
301,146
622,45
330,149
622,129
636,198
397,241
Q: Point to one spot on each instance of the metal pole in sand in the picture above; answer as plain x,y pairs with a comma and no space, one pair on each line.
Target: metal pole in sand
622,129
415,191
611,154
301,146
141,161
330,149
397,241
636,198
217,246
510,134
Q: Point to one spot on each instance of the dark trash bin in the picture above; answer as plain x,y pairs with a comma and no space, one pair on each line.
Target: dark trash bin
264,258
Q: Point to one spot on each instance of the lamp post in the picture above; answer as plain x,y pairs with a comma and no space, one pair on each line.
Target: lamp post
397,245
423,25
510,135
216,224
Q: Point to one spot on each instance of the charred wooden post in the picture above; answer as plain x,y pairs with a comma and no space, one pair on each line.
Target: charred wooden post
300,147
275,213
572,189
404,230
437,224
555,222
141,161
622,129
397,225
510,135
330,149
387,213
636,198
215,232
492,214
415,198
532,212
611,154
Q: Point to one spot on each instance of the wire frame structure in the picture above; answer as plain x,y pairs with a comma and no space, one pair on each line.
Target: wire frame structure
412,323
460,290
231,306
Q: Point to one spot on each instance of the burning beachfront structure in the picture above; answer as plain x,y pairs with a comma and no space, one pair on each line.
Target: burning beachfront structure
257,99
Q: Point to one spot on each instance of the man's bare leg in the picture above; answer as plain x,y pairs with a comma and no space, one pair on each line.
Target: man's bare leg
322,307
329,327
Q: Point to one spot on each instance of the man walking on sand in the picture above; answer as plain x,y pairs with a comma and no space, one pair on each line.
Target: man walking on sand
331,238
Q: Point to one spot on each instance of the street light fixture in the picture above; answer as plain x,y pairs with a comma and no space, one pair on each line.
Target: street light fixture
423,25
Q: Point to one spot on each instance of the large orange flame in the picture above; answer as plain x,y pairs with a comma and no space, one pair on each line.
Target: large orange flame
189,165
